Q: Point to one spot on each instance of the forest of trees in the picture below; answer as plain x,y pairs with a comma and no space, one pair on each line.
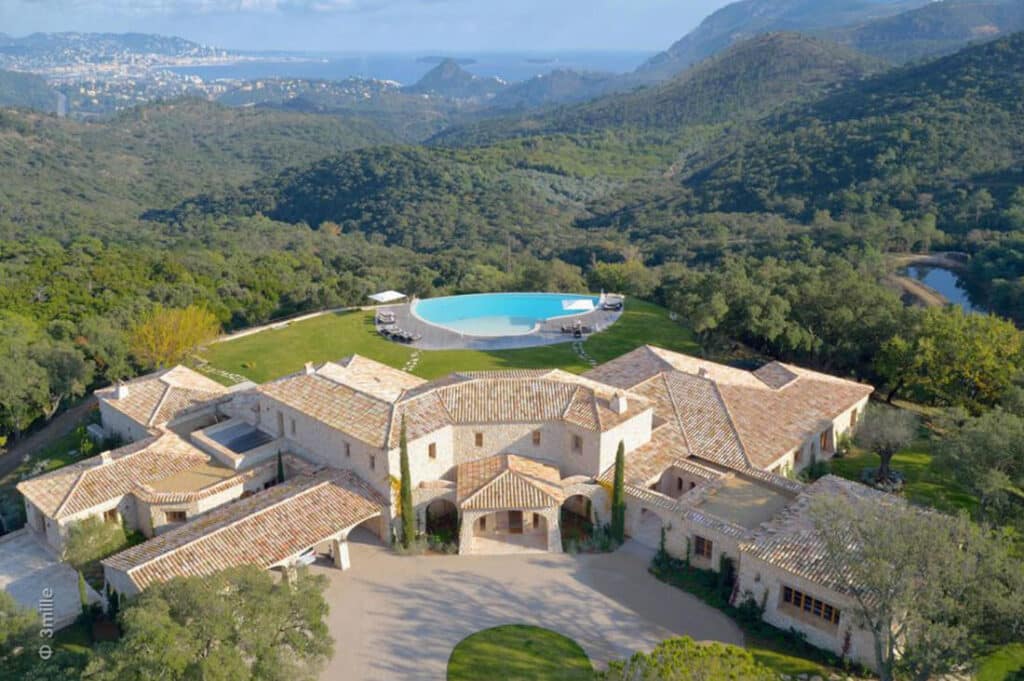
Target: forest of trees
765,220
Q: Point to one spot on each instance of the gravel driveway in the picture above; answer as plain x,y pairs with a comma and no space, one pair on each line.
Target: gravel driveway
398,617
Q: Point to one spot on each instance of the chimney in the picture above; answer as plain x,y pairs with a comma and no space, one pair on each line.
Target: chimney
619,404
120,391
309,368
105,458
702,372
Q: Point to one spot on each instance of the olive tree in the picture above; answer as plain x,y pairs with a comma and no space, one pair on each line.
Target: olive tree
931,589
237,624
885,431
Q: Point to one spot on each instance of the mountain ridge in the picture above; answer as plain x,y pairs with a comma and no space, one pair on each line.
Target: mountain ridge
746,79
742,20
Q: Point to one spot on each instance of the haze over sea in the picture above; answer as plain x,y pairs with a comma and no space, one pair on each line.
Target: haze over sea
409,67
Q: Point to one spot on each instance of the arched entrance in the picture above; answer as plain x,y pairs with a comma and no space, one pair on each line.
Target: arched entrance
577,519
509,531
441,520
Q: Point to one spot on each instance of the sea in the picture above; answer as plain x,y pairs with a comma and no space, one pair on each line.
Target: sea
407,68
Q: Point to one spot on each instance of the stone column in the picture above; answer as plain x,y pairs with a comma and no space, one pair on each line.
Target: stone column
339,549
466,529
554,529
291,575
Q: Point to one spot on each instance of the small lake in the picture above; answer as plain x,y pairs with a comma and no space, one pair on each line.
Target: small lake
946,282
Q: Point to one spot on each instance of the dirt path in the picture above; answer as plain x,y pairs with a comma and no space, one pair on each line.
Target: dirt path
918,292
61,425
949,260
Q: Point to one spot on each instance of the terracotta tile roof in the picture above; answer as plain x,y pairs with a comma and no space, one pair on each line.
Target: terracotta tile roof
731,416
497,400
507,481
155,399
263,529
666,448
790,542
424,414
344,396
334,404
371,377
84,485
506,373
704,420
157,493
525,400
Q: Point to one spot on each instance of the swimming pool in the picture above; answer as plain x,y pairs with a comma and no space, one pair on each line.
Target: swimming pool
500,314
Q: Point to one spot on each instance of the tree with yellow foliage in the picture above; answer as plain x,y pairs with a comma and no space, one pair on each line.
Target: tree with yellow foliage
167,335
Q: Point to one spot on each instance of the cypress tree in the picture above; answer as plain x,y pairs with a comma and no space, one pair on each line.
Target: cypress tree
619,495
405,491
280,468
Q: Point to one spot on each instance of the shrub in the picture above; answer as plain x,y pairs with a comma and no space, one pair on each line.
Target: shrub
92,540
816,470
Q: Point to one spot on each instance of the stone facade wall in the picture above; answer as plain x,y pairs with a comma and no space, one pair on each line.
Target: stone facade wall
119,581
514,438
421,466
675,482
324,445
632,432
681,534
810,451
497,523
117,424
764,583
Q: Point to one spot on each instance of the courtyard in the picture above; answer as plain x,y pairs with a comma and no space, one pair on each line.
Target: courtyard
399,617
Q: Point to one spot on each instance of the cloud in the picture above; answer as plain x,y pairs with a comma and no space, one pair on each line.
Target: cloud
172,7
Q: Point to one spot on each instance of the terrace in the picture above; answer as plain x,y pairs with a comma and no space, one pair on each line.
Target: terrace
427,336
741,501
236,443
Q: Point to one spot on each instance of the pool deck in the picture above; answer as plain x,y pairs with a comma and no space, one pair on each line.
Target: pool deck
549,333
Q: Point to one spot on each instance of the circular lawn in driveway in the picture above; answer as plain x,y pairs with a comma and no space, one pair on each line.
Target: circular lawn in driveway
519,652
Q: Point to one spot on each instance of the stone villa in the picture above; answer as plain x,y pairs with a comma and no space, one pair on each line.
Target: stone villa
502,456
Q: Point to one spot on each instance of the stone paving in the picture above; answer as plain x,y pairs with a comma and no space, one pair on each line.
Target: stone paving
439,338
399,617
29,569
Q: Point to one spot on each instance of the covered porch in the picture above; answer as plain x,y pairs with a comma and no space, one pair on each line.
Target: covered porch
508,504
510,531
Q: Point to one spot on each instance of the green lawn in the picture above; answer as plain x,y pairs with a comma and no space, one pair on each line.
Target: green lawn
925,484
1003,664
276,352
57,455
518,652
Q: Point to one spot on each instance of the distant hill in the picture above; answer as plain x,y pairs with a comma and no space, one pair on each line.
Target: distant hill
746,80
744,19
26,90
58,177
944,138
426,199
448,79
561,86
72,45
933,30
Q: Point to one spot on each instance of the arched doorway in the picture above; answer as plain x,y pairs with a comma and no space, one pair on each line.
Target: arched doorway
577,519
441,520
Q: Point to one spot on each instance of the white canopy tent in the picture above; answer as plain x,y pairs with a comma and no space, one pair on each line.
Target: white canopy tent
386,296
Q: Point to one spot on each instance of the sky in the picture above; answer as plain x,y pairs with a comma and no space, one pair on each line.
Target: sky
376,25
